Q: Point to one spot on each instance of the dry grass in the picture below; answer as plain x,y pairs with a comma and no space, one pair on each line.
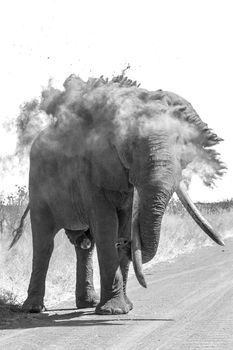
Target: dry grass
179,235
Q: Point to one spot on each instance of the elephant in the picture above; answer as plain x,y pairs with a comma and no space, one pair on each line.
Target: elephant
108,186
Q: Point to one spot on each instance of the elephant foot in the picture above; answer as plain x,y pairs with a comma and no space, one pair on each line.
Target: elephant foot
33,305
115,306
129,302
87,301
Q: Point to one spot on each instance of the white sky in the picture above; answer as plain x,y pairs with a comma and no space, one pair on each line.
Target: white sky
184,46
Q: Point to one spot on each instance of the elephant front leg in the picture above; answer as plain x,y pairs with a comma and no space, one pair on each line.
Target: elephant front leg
85,293
112,298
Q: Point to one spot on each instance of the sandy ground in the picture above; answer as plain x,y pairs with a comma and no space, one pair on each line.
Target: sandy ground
188,305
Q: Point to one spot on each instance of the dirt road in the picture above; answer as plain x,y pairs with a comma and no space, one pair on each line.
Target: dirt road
188,305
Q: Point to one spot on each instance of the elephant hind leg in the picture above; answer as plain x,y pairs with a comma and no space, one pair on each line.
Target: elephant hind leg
43,232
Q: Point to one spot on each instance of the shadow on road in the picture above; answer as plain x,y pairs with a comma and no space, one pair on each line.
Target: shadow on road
76,318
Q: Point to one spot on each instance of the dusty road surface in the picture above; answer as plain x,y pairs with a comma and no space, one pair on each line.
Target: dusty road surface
188,305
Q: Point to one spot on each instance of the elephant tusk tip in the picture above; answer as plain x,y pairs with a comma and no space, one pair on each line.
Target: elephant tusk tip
142,281
221,243
144,285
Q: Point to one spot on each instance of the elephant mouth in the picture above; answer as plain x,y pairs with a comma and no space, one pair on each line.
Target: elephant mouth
136,249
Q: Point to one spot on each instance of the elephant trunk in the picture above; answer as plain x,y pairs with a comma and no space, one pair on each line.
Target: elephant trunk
152,203
147,216
154,182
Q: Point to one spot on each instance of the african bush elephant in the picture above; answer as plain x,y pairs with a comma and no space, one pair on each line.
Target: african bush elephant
105,171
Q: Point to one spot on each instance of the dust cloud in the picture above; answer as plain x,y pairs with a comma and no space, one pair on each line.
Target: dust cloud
124,111
30,121
20,133
118,107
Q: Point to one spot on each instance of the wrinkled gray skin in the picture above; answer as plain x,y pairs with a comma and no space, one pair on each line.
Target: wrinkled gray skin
90,194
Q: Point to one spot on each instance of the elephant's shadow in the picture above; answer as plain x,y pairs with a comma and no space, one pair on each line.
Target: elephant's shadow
71,318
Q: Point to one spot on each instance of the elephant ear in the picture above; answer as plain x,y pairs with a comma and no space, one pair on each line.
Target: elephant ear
107,171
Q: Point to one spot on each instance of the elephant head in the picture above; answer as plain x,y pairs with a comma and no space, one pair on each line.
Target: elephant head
155,162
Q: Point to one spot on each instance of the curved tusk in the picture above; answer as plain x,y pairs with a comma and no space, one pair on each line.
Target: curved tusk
136,242
196,215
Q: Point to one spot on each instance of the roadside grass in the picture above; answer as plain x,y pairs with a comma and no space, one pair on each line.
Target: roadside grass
9,308
179,235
